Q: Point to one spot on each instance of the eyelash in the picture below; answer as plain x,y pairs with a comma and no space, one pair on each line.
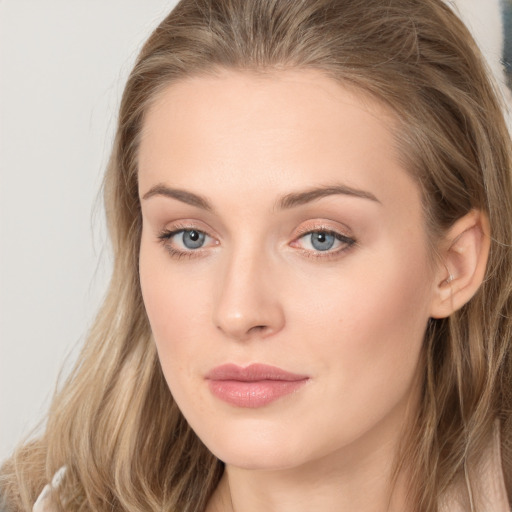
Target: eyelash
348,242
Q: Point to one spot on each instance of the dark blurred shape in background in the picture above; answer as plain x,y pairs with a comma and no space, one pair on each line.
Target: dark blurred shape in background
507,24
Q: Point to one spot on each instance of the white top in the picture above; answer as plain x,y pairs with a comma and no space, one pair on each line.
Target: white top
41,504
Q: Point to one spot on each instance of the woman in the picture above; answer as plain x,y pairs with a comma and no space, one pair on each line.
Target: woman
309,205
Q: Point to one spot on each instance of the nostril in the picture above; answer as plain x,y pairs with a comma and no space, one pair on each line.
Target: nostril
261,330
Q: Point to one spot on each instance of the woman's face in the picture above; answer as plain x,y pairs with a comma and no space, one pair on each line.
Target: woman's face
284,265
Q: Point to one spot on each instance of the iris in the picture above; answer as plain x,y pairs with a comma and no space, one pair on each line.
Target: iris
192,239
322,241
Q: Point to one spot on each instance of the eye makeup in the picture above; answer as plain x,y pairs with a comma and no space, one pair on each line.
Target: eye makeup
187,241
191,235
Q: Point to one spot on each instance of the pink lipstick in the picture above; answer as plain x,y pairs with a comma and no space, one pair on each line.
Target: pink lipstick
254,386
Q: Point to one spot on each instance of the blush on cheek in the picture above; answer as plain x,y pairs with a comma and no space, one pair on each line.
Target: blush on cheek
387,325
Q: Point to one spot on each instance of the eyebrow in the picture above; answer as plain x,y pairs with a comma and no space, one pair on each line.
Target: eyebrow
180,195
299,198
284,203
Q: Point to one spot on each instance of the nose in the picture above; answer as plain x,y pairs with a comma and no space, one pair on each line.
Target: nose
247,304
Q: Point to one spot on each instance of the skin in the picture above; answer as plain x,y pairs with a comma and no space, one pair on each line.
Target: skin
352,319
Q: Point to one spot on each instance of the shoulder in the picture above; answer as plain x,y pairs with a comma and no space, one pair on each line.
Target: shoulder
43,502
489,487
492,486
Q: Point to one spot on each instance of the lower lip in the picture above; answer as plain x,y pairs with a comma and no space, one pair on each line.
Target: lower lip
253,394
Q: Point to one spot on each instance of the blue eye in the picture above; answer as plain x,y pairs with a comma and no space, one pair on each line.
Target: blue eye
184,242
189,243
322,241
192,239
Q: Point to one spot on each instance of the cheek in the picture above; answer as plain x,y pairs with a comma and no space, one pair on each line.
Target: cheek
173,304
366,327
388,330
176,317
382,291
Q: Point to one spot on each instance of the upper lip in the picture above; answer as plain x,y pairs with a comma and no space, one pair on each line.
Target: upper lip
252,373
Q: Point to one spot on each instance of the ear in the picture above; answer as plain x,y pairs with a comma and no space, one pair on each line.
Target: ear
463,252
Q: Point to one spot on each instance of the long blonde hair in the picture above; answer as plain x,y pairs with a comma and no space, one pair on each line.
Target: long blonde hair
114,423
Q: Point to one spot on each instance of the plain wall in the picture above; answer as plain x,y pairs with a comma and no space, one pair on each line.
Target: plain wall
63,64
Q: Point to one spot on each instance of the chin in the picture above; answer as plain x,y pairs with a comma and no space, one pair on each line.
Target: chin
257,446
262,459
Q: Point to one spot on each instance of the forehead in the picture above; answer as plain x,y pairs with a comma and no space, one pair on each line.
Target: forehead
232,97
268,131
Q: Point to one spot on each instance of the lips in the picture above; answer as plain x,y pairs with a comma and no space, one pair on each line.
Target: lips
253,386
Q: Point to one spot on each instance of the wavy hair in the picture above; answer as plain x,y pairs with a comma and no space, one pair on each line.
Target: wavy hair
114,423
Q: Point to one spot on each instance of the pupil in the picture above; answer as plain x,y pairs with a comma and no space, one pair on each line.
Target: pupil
194,235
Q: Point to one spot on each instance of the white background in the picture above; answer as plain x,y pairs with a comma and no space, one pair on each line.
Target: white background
63,64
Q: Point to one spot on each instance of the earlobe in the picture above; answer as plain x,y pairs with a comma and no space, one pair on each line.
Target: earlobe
464,254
